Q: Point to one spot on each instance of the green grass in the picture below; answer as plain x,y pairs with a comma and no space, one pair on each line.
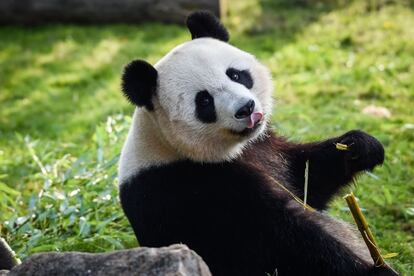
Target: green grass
63,119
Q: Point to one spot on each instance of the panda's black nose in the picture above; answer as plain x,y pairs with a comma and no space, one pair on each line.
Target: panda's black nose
245,111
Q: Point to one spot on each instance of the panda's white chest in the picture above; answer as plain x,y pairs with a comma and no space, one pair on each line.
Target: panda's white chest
144,147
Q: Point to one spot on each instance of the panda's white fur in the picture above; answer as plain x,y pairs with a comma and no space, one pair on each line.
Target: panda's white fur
173,132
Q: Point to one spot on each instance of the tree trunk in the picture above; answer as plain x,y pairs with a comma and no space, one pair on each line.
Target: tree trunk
30,12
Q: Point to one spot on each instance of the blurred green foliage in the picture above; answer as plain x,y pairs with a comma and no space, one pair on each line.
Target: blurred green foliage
62,124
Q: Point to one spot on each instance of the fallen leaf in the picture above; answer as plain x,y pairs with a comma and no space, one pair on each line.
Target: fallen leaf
377,111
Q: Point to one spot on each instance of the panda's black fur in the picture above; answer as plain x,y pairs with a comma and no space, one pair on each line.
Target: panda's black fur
234,214
204,24
144,83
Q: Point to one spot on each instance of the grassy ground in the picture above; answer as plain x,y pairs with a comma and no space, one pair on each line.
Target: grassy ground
62,119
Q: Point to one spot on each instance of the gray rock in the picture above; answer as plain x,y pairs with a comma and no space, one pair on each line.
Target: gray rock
175,260
4,272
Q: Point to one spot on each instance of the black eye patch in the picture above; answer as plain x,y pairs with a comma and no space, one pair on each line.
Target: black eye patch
243,77
205,109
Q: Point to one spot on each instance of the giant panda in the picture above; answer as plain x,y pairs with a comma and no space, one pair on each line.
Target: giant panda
201,166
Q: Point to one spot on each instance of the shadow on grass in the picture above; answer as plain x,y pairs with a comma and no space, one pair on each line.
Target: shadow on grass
276,23
56,77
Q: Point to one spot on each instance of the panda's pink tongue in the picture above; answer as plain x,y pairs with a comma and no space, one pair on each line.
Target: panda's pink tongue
254,118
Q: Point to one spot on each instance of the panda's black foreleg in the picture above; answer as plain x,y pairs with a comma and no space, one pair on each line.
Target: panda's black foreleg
320,246
331,168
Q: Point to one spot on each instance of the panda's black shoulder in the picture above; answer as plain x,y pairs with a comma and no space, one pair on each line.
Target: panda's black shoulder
187,176
253,167
187,184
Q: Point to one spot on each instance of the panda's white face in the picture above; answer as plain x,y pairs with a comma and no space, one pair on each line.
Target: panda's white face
211,99
204,101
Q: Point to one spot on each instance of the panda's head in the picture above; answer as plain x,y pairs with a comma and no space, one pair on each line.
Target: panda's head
208,98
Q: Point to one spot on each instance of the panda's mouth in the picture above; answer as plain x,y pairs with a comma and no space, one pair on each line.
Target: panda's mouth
253,123
246,131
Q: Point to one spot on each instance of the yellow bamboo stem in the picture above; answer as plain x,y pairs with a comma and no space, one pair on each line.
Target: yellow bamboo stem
305,189
363,227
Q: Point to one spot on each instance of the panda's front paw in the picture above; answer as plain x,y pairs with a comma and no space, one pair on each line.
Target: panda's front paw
364,151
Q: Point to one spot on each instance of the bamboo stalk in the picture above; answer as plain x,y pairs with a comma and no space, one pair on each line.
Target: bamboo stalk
7,255
305,189
363,227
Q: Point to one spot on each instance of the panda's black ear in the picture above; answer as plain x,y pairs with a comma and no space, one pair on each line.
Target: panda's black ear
139,83
205,24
